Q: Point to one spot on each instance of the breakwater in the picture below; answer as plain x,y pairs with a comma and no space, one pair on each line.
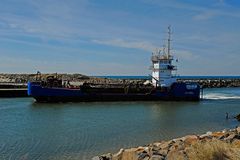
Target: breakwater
14,85
211,145
215,83
77,79
204,83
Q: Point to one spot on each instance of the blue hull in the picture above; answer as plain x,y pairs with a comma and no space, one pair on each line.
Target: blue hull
178,92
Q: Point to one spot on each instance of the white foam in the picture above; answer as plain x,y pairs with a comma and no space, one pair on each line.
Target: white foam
220,96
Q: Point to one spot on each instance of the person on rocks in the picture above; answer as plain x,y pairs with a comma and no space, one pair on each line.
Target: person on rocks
227,117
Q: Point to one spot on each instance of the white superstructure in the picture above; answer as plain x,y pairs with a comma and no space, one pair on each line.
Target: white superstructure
162,67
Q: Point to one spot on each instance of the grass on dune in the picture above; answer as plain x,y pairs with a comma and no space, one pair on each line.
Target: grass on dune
214,150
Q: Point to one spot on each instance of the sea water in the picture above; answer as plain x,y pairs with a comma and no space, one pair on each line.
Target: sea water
29,130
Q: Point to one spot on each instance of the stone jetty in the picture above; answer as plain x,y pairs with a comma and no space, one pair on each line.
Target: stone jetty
215,83
209,146
24,78
78,79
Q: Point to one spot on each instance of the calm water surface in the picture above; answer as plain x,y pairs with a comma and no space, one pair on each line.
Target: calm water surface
82,130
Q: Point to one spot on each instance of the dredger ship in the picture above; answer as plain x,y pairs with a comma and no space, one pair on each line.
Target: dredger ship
164,86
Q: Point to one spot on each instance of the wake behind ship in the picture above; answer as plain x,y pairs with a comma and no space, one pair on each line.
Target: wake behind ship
164,86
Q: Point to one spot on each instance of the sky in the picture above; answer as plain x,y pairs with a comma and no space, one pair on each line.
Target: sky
117,37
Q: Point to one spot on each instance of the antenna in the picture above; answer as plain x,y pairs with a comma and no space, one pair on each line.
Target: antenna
169,39
164,49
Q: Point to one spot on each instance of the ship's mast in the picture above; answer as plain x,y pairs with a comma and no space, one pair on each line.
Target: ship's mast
162,66
169,40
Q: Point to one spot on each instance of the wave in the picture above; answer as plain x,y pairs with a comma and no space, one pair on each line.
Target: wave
222,96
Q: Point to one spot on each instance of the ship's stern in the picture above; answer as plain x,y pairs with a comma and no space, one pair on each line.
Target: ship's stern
185,91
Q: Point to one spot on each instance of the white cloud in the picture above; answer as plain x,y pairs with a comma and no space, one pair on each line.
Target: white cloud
205,15
185,55
212,13
221,2
143,45
202,13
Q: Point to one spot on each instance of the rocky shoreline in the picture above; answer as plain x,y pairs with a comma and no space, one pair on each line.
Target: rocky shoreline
210,146
215,83
77,79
